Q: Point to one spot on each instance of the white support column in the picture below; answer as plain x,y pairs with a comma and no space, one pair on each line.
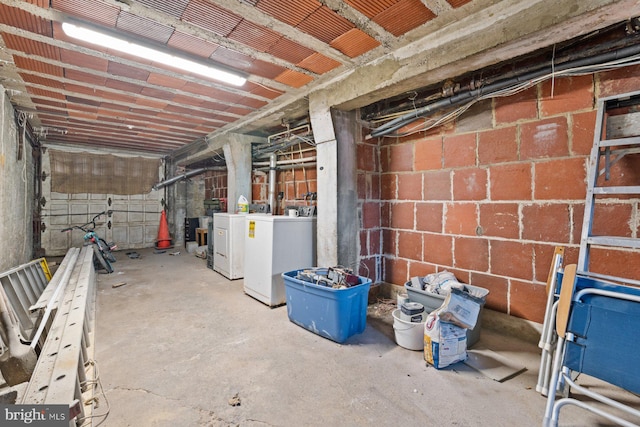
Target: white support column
237,155
327,166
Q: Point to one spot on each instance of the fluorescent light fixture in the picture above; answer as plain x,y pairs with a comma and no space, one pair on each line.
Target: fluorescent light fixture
115,43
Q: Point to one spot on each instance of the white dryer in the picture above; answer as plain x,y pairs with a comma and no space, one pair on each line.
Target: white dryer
275,244
228,244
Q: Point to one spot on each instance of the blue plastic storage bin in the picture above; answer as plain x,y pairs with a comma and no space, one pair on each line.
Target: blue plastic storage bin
335,314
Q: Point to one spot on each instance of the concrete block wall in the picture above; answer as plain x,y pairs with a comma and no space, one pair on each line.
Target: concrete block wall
489,196
16,191
294,184
215,185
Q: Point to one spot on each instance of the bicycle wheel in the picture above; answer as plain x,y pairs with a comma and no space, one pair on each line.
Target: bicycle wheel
106,251
101,261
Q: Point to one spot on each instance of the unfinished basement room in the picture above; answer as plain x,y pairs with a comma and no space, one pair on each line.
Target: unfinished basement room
319,213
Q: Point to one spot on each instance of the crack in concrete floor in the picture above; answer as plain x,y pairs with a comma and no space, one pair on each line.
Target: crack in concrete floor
208,418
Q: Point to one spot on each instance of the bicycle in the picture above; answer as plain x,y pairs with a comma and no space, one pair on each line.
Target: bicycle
103,257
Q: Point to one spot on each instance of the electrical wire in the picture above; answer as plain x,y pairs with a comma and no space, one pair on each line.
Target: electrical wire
304,171
582,67
22,124
96,381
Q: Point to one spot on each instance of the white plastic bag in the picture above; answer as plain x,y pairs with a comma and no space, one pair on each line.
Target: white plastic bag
444,343
441,283
461,308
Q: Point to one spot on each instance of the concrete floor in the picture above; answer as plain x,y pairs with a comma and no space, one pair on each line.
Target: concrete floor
178,341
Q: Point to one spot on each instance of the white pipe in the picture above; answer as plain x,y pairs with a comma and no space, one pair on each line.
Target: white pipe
285,162
273,162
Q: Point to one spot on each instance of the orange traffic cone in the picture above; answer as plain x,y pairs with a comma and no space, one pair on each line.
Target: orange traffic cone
164,239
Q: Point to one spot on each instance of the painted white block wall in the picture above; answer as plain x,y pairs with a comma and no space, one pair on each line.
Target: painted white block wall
16,192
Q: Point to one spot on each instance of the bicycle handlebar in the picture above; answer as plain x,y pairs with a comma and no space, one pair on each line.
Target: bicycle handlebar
92,222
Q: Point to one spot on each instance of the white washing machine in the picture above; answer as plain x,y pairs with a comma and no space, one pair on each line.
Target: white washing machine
274,244
228,244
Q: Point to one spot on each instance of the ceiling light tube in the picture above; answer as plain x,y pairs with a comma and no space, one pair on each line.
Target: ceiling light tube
155,55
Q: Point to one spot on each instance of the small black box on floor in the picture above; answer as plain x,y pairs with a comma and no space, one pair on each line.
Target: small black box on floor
190,225
210,236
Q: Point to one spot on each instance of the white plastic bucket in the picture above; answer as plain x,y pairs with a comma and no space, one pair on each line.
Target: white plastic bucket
409,335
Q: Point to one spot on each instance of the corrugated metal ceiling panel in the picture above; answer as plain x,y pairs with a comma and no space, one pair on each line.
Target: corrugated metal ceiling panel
181,110
46,93
223,119
265,69
76,88
40,102
371,8
83,77
191,44
173,117
293,78
291,12
20,19
234,59
251,103
39,3
77,100
174,8
264,91
239,110
83,115
127,71
91,10
151,103
290,51
87,108
167,81
354,43
137,113
325,25
404,16
458,3
123,86
197,88
118,97
255,36
222,95
29,78
206,129
188,100
112,106
144,27
38,66
213,105
318,64
210,17
82,60
31,47
157,93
